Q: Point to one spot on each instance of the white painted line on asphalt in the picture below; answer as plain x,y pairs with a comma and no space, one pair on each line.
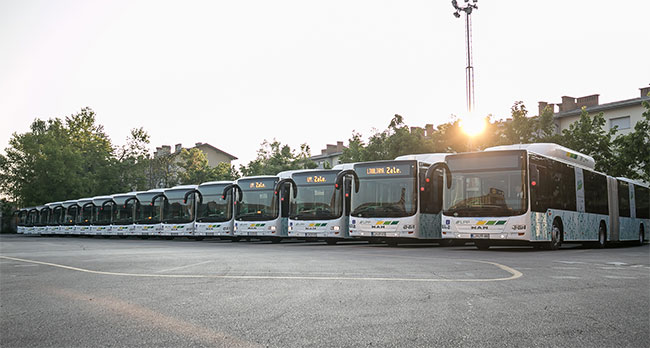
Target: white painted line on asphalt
567,268
564,277
181,267
514,274
619,277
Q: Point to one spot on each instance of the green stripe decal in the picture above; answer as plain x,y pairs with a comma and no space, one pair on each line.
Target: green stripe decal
394,222
502,222
490,222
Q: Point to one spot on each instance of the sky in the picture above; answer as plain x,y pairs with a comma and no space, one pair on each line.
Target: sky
234,73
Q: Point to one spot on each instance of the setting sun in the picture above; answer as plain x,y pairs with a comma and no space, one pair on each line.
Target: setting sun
472,125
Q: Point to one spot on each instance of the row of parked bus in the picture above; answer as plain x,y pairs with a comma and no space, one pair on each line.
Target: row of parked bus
527,194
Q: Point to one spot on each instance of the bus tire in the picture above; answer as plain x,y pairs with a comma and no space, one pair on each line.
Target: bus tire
602,236
641,235
482,245
556,235
331,241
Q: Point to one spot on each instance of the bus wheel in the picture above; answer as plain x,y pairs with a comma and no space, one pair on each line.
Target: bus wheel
602,236
641,235
331,241
482,245
556,236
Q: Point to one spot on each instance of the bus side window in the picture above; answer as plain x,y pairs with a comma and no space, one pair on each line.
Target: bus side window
623,199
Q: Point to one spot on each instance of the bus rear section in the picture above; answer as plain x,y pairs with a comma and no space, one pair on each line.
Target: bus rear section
320,209
215,210
263,210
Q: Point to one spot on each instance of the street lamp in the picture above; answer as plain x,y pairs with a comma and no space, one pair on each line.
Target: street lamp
469,70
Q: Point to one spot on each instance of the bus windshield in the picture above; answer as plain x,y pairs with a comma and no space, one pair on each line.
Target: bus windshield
259,202
213,208
102,214
486,184
317,198
71,215
387,189
86,214
176,209
146,211
123,210
56,216
44,217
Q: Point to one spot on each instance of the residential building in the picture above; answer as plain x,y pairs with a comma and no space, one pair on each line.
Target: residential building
623,113
213,154
329,156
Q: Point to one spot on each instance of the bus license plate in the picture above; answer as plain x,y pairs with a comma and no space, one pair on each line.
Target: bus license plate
480,235
379,234
209,234
252,233
310,234
174,234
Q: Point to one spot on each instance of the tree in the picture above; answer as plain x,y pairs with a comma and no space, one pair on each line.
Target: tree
588,136
632,150
275,157
58,160
133,161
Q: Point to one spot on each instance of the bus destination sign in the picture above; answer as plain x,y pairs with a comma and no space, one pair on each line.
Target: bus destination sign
389,169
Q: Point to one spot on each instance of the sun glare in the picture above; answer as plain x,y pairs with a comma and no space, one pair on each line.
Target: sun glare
472,126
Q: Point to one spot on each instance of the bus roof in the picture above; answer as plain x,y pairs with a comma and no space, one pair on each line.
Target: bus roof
554,151
222,182
429,158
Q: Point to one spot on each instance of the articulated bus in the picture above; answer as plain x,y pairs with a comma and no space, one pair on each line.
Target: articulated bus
215,211
123,220
57,214
84,217
263,209
178,211
148,213
71,210
541,195
397,201
320,209
102,213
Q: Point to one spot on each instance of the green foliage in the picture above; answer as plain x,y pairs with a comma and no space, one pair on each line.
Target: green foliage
588,136
275,157
632,150
195,168
57,160
133,161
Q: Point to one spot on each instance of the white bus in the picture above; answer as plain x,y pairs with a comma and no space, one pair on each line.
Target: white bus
123,220
40,225
71,210
262,211
84,217
320,210
57,214
215,211
394,202
178,211
102,213
148,213
31,220
539,195
22,220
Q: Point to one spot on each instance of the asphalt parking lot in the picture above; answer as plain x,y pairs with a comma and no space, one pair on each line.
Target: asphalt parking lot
79,292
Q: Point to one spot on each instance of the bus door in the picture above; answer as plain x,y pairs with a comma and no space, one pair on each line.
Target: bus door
612,193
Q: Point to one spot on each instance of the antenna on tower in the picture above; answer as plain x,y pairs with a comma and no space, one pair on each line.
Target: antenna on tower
469,70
